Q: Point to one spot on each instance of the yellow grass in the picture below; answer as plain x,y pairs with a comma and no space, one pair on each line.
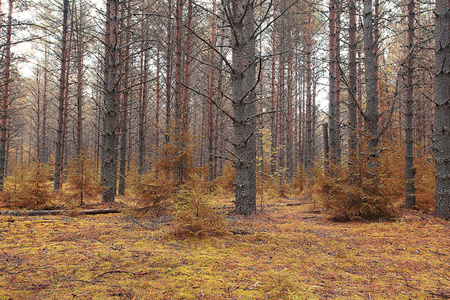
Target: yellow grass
285,252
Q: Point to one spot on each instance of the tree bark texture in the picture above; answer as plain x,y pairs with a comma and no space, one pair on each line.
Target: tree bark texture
326,147
169,73
352,112
61,100
4,126
308,159
289,116
409,140
210,122
442,100
125,94
143,110
80,81
241,18
371,118
109,151
333,109
44,157
273,124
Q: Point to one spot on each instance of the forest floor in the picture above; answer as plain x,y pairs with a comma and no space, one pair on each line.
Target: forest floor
282,252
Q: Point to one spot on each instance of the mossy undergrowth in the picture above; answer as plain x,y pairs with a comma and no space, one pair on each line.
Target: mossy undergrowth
285,252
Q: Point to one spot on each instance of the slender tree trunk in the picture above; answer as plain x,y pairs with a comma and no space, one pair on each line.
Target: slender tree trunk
243,80
442,100
38,116
124,112
4,127
314,118
64,146
371,113
261,120
273,116
352,112
281,102
44,158
289,116
98,123
158,103
211,99
309,162
332,111
326,147
109,151
178,131
143,111
80,82
338,82
409,140
168,73
187,63
376,39
62,88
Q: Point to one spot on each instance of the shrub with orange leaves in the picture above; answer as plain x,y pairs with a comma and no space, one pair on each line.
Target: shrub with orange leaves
28,187
193,216
369,198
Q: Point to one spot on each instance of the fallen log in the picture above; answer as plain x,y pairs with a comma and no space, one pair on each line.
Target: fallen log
58,212
106,210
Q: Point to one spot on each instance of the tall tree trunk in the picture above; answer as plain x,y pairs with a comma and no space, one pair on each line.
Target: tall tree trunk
261,121
371,119
337,83
4,127
352,112
211,98
442,100
80,82
243,80
61,104
178,131
309,150
168,73
158,103
409,140
281,101
143,110
38,115
124,112
289,116
326,147
332,111
376,40
45,148
187,63
109,151
273,121
64,146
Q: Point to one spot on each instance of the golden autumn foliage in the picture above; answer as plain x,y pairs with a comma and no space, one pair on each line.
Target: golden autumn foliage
153,194
83,178
192,215
28,187
367,197
425,184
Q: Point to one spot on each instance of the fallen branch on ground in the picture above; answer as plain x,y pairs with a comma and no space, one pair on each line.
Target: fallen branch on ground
57,212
